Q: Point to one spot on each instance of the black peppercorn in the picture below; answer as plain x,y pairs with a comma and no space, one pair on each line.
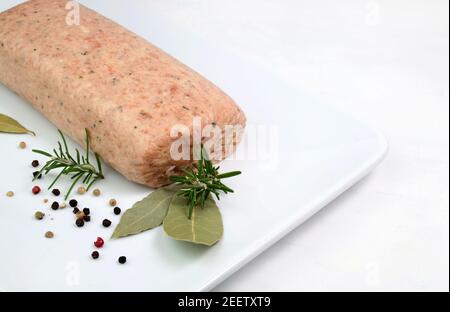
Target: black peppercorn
79,222
55,205
73,203
37,175
122,259
117,211
87,218
35,163
87,211
106,223
76,210
56,192
95,255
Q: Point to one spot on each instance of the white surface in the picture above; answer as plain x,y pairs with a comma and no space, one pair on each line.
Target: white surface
387,63
322,152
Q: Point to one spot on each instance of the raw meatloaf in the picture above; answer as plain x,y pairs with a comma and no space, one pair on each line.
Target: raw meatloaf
100,76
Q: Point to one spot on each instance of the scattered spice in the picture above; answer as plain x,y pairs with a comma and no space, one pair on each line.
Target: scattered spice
37,175
63,205
81,190
106,223
80,215
10,194
122,259
87,218
87,211
73,203
49,234
99,242
22,145
35,163
56,192
45,200
96,192
117,211
55,206
112,202
95,255
76,210
39,215
36,190
79,222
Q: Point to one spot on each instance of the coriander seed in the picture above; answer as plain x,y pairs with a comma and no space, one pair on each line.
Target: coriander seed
96,192
112,202
81,190
10,194
49,234
22,145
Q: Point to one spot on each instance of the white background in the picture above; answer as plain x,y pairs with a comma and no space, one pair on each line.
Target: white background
387,63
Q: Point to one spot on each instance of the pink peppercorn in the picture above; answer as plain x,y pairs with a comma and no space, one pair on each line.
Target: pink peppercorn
36,190
99,242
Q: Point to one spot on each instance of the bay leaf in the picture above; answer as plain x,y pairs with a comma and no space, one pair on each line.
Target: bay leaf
205,226
9,125
145,214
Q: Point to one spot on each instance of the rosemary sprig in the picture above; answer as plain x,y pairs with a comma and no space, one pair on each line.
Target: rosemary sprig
202,180
79,167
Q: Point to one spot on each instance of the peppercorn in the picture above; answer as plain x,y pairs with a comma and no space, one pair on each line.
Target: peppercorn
122,259
87,218
37,175
106,223
56,192
49,234
117,211
79,222
10,194
35,163
87,211
55,205
95,255
36,190
73,203
22,145
39,215
99,242
76,210
112,202
96,192
81,190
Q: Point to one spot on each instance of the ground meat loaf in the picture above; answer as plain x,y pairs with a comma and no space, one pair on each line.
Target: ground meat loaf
100,76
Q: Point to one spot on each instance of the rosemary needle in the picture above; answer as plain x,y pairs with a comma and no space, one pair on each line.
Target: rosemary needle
78,167
198,183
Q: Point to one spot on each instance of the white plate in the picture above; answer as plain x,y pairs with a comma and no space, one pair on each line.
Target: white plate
321,153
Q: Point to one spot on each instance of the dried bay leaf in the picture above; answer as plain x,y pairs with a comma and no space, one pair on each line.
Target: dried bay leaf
205,227
145,214
9,125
